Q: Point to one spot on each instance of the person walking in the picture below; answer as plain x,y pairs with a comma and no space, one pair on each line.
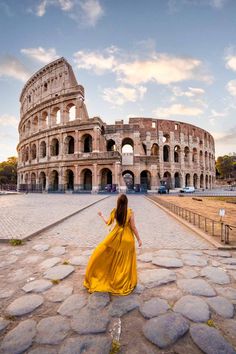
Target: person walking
112,266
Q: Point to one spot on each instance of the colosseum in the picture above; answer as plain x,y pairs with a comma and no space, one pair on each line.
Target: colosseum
62,149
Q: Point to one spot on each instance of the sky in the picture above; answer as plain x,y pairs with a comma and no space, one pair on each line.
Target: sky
167,59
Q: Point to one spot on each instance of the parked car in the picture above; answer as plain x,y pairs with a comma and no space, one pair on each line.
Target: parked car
162,190
187,190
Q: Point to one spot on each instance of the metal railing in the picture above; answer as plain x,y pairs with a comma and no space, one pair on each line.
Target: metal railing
208,225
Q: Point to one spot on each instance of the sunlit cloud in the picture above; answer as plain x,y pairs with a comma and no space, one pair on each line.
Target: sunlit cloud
231,87
160,68
40,54
230,58
92,11
12,67
120,95
7,120
190,92
178,109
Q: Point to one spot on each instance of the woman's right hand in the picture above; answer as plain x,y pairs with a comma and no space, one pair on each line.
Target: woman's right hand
140,243
100,213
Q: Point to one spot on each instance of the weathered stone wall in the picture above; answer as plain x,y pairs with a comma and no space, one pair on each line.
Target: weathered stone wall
62,148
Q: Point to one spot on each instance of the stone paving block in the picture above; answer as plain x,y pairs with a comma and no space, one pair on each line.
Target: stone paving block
98,300
216,275
193,307
154,307
59,293
49,263
193,260
221,306
167,262
24,304
165,329
59,272
19,339
3,323
5,293
228,292
166,253
86,344
57,251
41,247
155,277
123,304
37,286
52,330
43,350
209,340
145,257
79,260
72,305
90,321
196,287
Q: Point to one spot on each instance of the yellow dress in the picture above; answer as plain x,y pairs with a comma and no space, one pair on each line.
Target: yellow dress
112,266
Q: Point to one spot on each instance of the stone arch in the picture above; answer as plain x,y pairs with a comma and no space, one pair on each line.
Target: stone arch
33,181
127,144
42,149
167,179
155,149
145,180
166,153
54,147
71,112
69,145
87,142
128,177
69,179
201,181
210,182
106,179
195,180
28,127
26,178
206,182
186,155
35,123
177,179
42,180
26,153
177,154
166,138
33,152
44,120
86,178
201,158
206,160
111,145
187,180
194,157
54,180
55,116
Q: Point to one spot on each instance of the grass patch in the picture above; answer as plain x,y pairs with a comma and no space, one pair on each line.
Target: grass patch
55,281
115,347
16,242
66,262
210,323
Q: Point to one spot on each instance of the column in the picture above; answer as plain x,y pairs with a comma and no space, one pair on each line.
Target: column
95,179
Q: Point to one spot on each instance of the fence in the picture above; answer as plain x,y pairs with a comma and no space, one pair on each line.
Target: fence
208,225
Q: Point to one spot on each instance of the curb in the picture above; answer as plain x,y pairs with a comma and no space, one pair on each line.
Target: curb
193,228
45,228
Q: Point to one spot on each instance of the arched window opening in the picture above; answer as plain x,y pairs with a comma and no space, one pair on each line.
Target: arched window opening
144,148
87,180
35,124
42,149
206,159
194,158
166,181
69,180
45,86
186,154
166,138
106,179
27,154
195,180
128,177
54,148
145,180
201,181
177,154
42,181
88,145
187,180
44,120
111,145
127,146
54,181
33,181
177,180
166,150
28,126
72,113
33,152
154,150
206,183
69,145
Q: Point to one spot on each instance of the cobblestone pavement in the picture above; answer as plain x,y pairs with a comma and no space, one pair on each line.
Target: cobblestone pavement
24,214
184,303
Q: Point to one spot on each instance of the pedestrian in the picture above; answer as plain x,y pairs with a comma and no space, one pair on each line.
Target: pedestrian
112,266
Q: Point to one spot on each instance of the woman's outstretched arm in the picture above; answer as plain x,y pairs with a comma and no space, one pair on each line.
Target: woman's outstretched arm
101,215
135,231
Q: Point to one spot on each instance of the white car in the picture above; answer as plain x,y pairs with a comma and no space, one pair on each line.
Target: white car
187,190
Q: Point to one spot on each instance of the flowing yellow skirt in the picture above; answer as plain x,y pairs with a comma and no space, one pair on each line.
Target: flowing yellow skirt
112,266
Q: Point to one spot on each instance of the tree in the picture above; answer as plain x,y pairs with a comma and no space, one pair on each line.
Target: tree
225,165
8,171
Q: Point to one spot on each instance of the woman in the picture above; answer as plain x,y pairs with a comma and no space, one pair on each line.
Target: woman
112,266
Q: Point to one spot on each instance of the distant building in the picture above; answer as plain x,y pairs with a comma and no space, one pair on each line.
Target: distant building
61,148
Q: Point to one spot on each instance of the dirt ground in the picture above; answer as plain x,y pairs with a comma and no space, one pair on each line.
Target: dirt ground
208,207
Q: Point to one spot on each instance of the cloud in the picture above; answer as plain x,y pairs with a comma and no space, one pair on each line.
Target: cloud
228,138
95,61
12,67
160,68
178,109
92,11
191,92
40,54
218,4
230,58
231,87
7,120
86,11
175,5
120,95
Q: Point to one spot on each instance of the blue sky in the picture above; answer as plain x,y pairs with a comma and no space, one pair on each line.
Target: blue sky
171,59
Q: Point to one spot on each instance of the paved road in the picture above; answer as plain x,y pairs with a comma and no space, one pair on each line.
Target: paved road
157,229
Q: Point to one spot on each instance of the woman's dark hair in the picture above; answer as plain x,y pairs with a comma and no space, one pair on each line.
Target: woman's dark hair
121,209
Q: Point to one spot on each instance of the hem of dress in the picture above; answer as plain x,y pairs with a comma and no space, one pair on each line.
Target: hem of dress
109,291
